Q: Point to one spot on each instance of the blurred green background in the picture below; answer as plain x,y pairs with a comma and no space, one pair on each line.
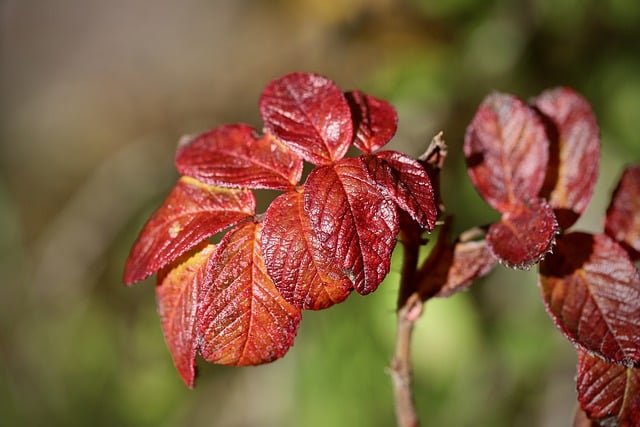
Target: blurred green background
94,96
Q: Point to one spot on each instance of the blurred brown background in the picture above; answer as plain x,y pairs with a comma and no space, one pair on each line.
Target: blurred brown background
94,96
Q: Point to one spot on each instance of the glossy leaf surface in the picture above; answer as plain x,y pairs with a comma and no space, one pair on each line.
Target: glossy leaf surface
591,289
623,214
354,222
607,390
234,156
192,212
406,182
574,152
524,234
177,296
243,319
310,114
302,273
375,121
506,151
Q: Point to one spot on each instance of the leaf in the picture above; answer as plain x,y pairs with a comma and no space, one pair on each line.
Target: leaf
233,156
375,121
192,212
608,391
524,234
302,273
310,114
356,225
580,419
591,290
623,215
406,182
177,295
506,150
465,262
243,319
574,152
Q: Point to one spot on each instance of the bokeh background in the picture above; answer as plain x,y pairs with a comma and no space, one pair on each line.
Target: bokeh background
95,95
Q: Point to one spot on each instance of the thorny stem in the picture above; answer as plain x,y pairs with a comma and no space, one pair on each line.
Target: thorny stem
409,310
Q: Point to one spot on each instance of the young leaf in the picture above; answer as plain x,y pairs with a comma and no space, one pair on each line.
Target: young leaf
233,156
406,182
623,214
375,121
591,290
243,319
524,234
302,273
177,295
191,212
608,391
506,150
574,152
355,223
310,114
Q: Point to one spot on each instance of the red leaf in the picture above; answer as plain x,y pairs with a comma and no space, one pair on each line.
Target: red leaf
574,152
192,212
233,156
608,391
302,273
468,261
506,150
406,182
591,289
177,295
310,115
243,319
623,214
375,121
524,234
355,223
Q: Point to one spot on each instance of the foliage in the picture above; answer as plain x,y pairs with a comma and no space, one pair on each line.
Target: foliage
239,301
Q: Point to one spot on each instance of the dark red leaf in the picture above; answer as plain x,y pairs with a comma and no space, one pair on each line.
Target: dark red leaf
580,419
234,156
355,223
623,214
192,212
608,391
177,295
506,150
574,152
591,289
406,182
375,121
243,318
310,114
524,234
468,262
303,274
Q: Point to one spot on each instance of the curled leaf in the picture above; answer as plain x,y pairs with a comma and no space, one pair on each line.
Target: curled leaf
574,152
375,121
608,392
302,273
591,290
623,214
177,296
243,319
234,156
405,181
192,212
506,150
524,234
355,223
310,114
